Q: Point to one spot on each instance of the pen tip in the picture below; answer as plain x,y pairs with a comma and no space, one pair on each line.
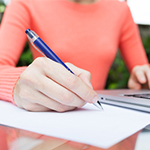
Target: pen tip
98,105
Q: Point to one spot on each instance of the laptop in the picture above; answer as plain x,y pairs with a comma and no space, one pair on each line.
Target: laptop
132,99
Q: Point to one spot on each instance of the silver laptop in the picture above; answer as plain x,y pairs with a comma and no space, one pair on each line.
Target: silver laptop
132,99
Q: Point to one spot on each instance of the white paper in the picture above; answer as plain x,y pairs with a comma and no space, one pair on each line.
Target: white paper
86,125
140,10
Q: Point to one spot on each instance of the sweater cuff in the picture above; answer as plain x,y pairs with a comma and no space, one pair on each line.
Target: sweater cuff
8,78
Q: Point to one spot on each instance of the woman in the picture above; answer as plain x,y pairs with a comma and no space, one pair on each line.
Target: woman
85,33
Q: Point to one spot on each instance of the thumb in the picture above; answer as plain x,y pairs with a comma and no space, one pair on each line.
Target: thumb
134,84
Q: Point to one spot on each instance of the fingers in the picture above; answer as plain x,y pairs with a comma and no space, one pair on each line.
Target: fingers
148,77
47,85
34,107
71,82
140,76
33,100
59,93
133,84
141,73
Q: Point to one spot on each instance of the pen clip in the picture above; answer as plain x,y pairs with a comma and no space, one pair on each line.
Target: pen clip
35,47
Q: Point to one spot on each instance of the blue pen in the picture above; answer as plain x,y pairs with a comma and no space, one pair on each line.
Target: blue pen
42,48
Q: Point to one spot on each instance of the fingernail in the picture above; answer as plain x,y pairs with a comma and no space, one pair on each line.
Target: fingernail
91,85
95,99
143,79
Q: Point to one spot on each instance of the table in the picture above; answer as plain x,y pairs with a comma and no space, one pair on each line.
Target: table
17,139
143,140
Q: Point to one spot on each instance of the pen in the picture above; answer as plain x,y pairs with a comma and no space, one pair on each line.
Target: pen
42,48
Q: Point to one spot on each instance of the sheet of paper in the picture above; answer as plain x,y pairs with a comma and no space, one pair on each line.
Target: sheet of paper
140,11
86,125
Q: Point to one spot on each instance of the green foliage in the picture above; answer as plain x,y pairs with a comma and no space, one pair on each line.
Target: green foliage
26,57
146,43
145,36
2,9
118,74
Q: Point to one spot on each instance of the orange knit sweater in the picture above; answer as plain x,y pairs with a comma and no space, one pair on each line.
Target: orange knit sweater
86,35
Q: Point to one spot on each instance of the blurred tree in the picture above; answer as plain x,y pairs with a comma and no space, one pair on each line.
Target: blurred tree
2,9
118,74
26,57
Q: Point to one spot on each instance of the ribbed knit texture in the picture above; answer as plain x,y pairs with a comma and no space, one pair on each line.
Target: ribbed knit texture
86,35
8,77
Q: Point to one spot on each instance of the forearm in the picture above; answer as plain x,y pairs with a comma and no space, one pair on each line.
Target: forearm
130,44
12,41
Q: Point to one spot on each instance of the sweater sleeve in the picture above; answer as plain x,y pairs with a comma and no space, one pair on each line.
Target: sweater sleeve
130,43
12,40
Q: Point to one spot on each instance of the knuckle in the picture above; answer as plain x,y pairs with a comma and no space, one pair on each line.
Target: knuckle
66,98
25,80
146,66
39,62
135,68
72,82
26,77
89,95
88,74
23,94
140,67
129,84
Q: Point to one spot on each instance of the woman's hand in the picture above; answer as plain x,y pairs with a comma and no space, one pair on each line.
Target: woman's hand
47,85
140,77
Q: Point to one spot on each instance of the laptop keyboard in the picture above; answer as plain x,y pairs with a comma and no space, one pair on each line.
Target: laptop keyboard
147,96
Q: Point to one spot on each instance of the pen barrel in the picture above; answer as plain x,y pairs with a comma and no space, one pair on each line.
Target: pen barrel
48,52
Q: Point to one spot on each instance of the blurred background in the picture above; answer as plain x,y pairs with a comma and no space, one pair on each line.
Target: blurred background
118,74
